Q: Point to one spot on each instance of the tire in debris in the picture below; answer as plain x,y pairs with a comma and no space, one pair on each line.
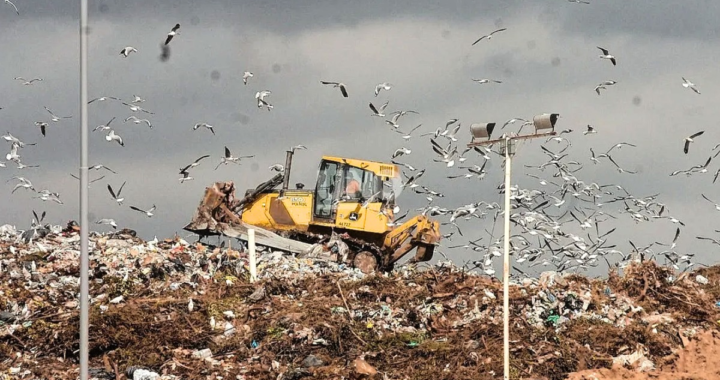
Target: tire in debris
366,262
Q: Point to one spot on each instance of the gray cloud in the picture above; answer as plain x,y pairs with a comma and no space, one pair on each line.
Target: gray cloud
546,59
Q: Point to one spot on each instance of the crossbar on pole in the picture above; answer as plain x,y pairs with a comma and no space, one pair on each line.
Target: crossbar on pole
526,137
84,224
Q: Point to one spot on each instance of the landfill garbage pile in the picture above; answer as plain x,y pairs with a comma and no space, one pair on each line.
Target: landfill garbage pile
171,309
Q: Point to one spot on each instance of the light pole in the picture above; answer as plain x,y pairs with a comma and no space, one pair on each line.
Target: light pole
484,130
84,224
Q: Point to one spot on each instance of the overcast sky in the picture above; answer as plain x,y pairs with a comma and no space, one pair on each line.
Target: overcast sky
547,61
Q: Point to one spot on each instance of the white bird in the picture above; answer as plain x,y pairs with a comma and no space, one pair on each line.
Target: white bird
47,195
204,125
607,55
112,136
379,111
400,152
297,147
247,75
104,127
599,87
578,1
136,108
483,81
125,52
194,164
13,5
137,99
28,82
408,135
54,117
229,158
174,32
690,85
42,126
116,196
690,139
489,36
260,96
590,129
136,120
149,212
343,90
24,183
185,177
110,222
103,98
277,167
381,86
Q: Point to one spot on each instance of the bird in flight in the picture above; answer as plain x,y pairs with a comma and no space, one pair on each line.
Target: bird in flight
204,125
112,136
483,81
229,158
247,75
338,84
110,222
690,85
13,5
116,196
125,52
104,127
174,32
489,36
690,139
103,98
607,55
54,117
136,120
149,212
382,86
194,164
42,126
28,82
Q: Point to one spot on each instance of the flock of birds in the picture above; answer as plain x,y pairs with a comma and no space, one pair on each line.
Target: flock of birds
543,217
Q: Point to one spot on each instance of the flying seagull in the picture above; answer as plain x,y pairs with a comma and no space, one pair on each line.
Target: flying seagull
185,177
590,129
607,55
489,36
136,120
381,86
338,84
194,164
690,85
135,108
149,212
28,82
483,81
125,52
13,5
112,136
54,117
204,125
103,98
172,33
379,111
246,75
229,158
260,96
689,139
104,127
42,126
116,196
137,99
101,166
110,222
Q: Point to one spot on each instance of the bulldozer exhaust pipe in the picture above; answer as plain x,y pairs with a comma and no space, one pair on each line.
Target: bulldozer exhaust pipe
286,174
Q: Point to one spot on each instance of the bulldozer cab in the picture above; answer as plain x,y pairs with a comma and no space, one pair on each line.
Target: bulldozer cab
339,182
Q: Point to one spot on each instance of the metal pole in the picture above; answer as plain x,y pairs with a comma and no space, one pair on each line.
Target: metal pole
252,256
506,262
84,224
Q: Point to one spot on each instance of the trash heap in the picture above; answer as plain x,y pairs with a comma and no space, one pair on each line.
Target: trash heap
171,309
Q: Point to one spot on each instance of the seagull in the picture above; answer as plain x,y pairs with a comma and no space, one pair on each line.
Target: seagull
382,86
104,127
185,177
125,52
690,85
149,213
89,182
337,84
136,108
408,135
54,117
401,152
112,136
260,96
138,121
204,125
110,222
489,36
247,75
297,147
483,81
101,166
13,5
378,111
229,158
103,98
590,130
599,87
42,126
24,183
116,196
606,55
172,33
137,99
579,1
717,206
28,82
277,167
194,164
689,139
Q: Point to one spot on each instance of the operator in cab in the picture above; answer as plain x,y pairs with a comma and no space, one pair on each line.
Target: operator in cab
352,187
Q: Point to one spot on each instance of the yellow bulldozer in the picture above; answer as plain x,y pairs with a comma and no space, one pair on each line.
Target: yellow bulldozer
353,202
